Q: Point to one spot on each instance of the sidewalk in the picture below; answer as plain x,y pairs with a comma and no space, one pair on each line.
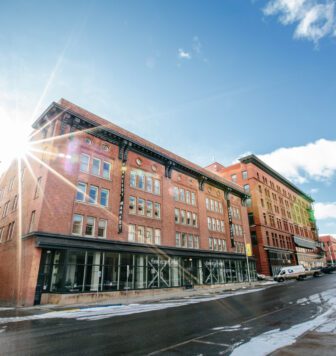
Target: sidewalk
312,343
196,292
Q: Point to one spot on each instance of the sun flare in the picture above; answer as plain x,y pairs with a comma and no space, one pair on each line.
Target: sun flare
14,142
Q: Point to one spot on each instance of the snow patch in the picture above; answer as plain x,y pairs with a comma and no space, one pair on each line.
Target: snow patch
272,340
103,312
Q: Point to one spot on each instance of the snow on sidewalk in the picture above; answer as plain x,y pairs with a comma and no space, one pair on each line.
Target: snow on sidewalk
102,312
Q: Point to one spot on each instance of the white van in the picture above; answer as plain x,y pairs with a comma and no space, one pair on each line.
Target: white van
291,272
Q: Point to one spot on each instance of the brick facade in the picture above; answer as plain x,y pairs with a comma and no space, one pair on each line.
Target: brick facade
64,133
282,223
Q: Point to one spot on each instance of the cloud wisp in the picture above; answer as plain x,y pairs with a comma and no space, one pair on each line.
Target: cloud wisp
314,19
314,161
183,54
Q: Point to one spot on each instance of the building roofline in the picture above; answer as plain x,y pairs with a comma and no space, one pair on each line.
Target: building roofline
266,168
163,155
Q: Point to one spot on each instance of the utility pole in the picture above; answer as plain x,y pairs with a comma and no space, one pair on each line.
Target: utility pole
247,260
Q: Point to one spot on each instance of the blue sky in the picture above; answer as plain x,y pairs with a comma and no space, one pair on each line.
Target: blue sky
207,80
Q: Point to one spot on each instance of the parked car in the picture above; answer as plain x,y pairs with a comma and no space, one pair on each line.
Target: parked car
295,272
328,269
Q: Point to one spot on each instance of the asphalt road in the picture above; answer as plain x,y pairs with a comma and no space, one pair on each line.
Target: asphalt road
193,329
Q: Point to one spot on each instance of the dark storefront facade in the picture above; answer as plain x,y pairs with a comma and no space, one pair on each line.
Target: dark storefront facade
66,270
280,258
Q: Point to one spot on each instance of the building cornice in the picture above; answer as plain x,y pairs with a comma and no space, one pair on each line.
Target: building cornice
82,122
266,168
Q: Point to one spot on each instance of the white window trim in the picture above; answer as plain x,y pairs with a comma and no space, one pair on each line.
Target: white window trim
94,226
88,163
96,159
81,225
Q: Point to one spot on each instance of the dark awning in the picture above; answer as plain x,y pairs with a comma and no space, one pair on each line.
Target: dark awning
299,241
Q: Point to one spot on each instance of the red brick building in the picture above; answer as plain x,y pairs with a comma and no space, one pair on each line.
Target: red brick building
93,208
329,246
281,217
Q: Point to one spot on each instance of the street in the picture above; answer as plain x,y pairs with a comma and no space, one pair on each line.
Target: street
218,324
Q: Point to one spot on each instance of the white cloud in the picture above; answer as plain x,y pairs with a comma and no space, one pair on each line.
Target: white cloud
325,210
183,54
314,161
314,19
314,190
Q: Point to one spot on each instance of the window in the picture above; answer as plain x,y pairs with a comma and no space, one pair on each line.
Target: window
188,218
77,224
104,197
102,228
210,243
157,237
213,224
193,198
181,194
15,201
141,206
194,219
222,226
177,215
131,232
11,182
176,194
218,224
149,235
84,163
37,189
188,201
207,205
220,205
183,221
178,239
246,188
141,234
149,209
141,180
196,242
244,174
157,187
132,205
23,169
133,179
93,194
212,205
234,178
95,166
215,244
190,241
10,231
149,184
216,206
209,224
81,191
1,233
157,210
106,170
184,240
32,221
90,226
